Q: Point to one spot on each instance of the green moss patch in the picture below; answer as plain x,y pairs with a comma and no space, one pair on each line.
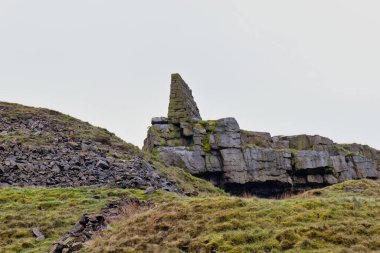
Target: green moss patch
206,145
209,125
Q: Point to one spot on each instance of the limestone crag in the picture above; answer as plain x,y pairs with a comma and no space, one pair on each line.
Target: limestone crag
246,161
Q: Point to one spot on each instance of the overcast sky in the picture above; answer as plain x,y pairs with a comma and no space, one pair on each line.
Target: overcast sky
285,67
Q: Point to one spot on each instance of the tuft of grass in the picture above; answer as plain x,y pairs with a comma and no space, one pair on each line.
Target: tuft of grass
337,219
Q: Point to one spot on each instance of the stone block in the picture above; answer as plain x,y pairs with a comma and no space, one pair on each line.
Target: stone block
310,161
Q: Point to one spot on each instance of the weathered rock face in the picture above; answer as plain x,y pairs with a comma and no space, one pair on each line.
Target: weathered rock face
245,161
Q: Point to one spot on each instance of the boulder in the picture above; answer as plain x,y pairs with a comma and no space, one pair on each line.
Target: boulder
309,142
227,134
343,167
227,140
227,125
256,139
365,167
308,161
268,165
234,166
193,161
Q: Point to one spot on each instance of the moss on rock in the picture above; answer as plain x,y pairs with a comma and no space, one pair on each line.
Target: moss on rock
206,144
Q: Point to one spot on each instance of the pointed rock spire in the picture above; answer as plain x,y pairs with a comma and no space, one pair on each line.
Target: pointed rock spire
182,106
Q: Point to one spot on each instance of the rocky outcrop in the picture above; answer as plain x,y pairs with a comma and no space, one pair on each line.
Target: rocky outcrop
246,161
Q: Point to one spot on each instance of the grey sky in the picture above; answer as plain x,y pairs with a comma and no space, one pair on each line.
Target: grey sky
286,67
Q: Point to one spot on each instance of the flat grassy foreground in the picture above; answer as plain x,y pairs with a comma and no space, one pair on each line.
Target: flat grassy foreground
340,218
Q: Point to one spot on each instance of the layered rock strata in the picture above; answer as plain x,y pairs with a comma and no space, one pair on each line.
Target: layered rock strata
255,162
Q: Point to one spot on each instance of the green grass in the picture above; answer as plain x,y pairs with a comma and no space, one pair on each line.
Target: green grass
54,211
340,218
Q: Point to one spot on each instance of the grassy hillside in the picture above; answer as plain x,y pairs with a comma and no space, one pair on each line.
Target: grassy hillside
340,218
202,218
